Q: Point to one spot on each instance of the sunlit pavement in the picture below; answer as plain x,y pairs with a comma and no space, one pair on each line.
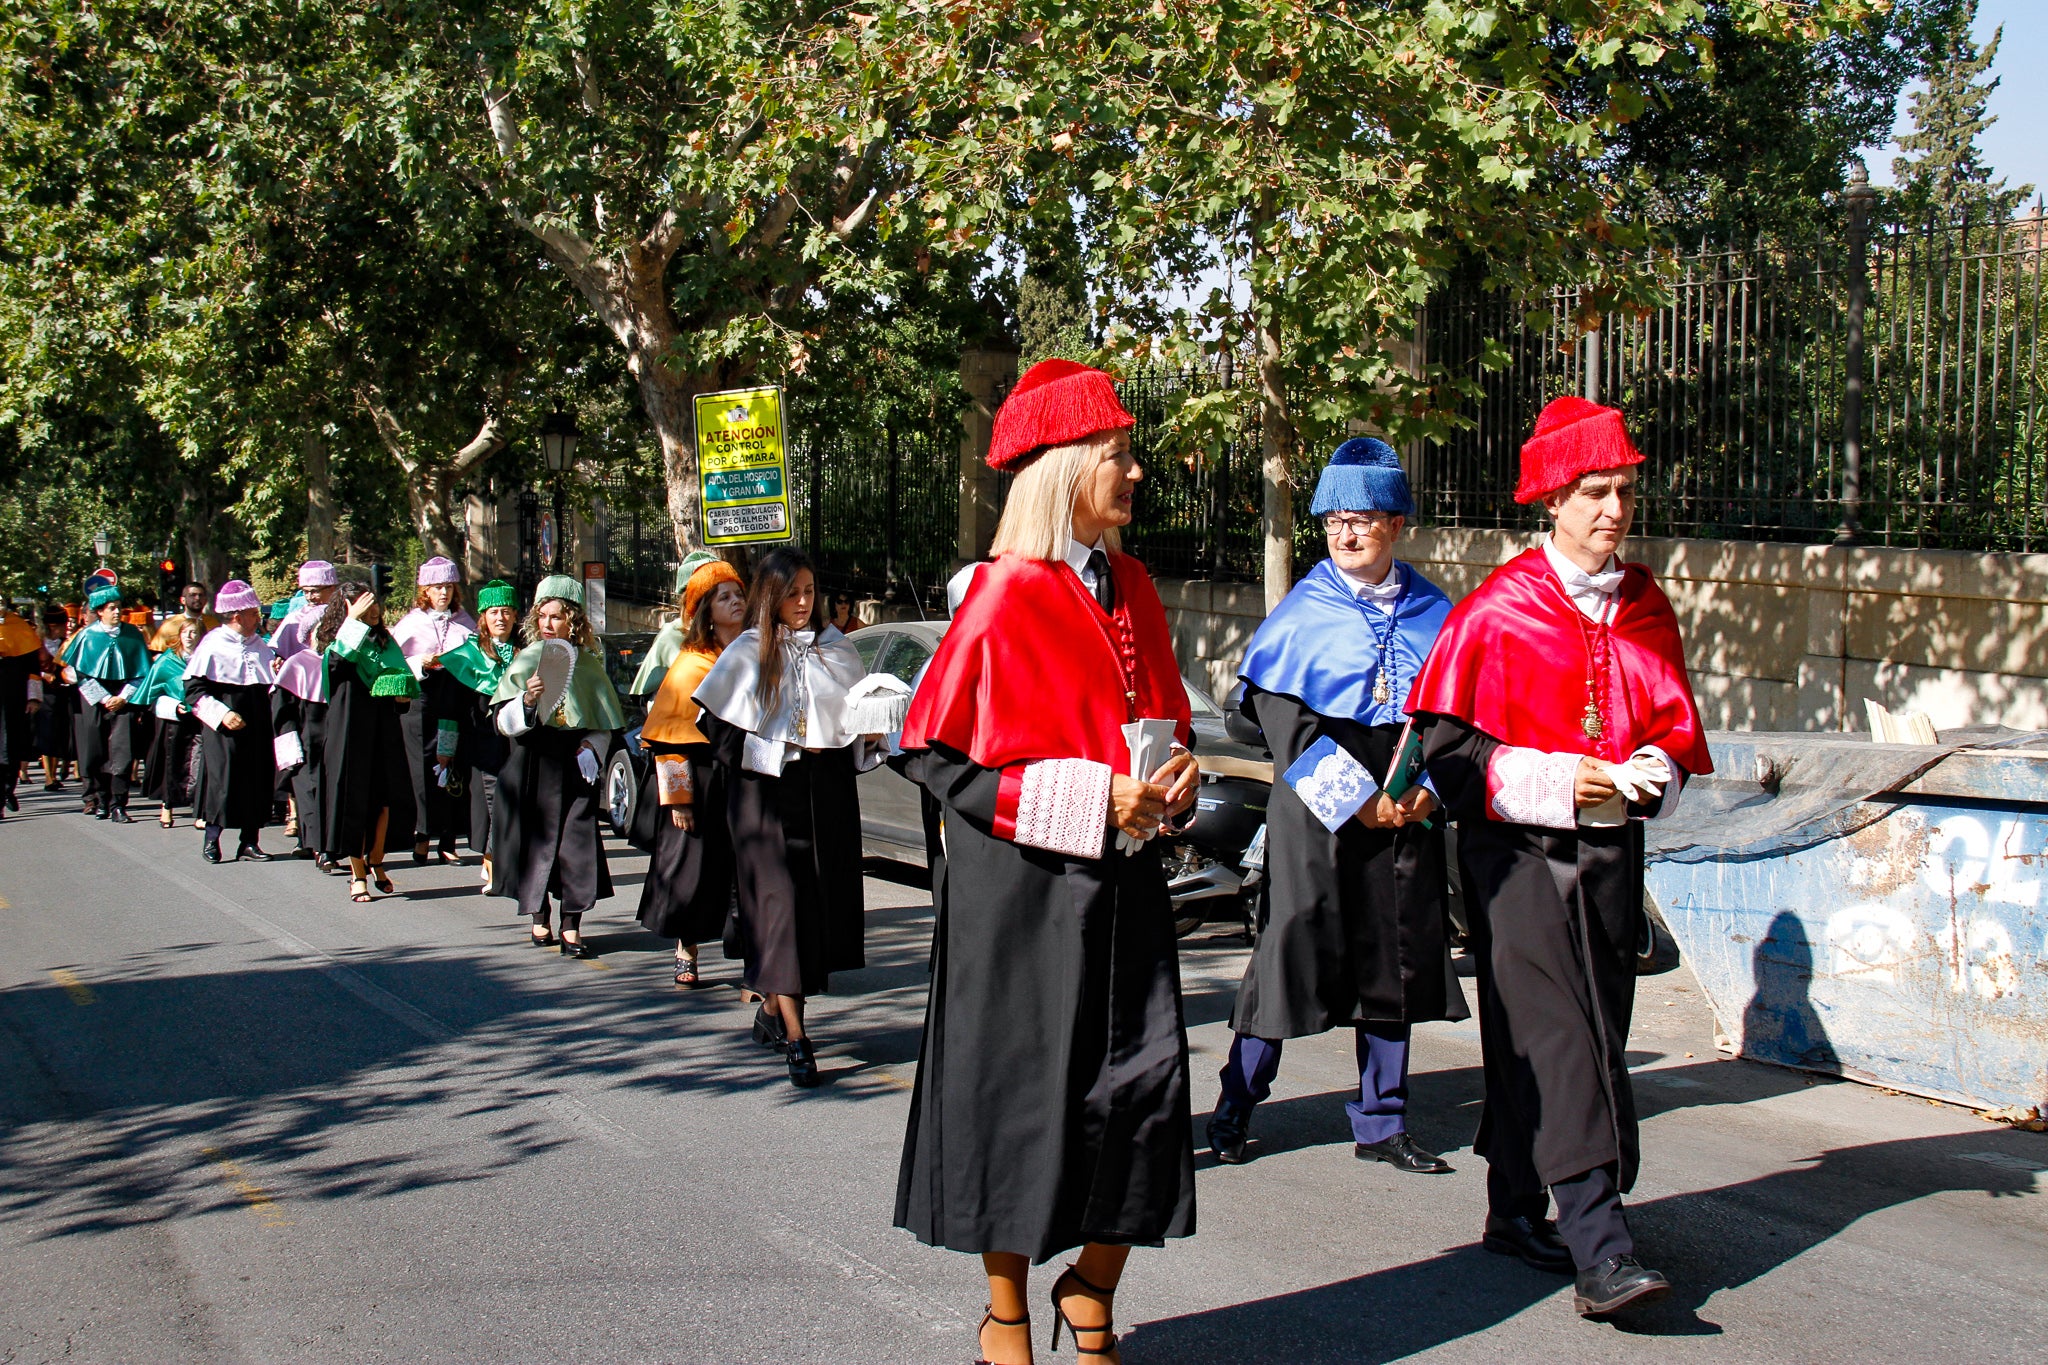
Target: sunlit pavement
242,1118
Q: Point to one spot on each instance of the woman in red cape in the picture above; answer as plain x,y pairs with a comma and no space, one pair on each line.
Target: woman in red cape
1559,716
1051,1109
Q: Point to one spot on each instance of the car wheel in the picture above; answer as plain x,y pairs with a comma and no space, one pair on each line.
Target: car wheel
620,794
1186,924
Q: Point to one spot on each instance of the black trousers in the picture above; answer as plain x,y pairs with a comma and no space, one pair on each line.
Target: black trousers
106,752
1589,1214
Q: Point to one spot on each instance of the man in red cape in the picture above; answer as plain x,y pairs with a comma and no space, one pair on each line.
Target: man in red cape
1559,716
1051,1107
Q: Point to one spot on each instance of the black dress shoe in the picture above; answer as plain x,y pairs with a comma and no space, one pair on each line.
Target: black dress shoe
210,850
768,1029
251,853
1401,1152
103,812
1229,1134
579,949
1534,1240
120,816
1616,1283
803,1063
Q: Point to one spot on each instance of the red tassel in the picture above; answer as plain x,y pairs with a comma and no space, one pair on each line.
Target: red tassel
1573,437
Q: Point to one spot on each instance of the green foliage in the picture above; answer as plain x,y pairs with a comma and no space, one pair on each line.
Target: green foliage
1943,179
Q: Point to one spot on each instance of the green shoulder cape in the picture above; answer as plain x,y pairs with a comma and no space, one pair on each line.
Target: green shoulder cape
166,679
667,645
382,666
478,664
590,703
118,658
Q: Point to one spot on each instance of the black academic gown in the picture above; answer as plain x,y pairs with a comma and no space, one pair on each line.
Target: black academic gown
1358,929
364,766
482,759
171,774
796,862
240,766
689,872
1051,1106
1555,918
441,815
545,839
291,713
17,734
104,739
58,717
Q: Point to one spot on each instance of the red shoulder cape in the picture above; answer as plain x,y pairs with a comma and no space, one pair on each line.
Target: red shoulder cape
1029,668
1512,661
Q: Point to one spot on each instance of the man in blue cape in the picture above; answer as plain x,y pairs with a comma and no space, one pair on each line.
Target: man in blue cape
1355,935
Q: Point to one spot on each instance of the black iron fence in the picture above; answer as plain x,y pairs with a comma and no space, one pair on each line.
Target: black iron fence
1735,391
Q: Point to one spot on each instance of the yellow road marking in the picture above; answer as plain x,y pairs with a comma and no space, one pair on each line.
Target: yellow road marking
597,964
80,993
4,905
254,1195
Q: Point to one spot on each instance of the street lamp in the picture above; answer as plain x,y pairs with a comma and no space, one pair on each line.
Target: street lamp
558,443
102,544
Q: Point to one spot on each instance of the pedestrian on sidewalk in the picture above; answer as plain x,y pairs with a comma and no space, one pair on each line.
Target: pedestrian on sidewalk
433,725
775,715
1560,716
478,664
56,722
1358,929
317,581
21,696
191,612
108,660
689,871
1051,1106
298,708
562,716
227,683
365,767
170,774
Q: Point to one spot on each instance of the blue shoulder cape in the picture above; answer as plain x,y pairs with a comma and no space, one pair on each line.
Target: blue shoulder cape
1321,645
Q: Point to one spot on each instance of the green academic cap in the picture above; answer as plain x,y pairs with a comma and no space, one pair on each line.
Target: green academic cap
559,585
497,593
101,596
692,562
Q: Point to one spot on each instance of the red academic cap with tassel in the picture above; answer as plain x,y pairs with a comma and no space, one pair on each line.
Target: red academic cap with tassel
1056,401
1573,437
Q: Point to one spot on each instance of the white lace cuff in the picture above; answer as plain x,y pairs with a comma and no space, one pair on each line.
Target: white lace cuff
1060,805
1530,787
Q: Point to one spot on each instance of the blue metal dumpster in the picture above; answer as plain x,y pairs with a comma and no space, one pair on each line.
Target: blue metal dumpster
1898,938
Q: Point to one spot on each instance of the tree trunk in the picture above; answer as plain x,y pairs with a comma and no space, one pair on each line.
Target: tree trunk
432,493
670,399
1277,436
320,510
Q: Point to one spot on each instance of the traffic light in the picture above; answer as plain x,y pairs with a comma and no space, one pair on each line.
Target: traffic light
167,582
380,581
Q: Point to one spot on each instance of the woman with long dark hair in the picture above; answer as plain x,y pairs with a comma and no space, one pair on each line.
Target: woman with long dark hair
562,715
170,774
775,713
366,786
689,876
478,664
436,625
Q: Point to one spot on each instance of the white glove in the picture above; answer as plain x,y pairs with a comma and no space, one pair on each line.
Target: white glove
586,763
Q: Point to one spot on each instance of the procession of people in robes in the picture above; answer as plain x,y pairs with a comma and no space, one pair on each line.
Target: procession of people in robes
1547,715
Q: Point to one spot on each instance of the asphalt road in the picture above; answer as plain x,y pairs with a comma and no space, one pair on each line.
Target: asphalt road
242,1119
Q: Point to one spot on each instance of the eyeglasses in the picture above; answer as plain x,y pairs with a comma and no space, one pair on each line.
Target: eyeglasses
1361,524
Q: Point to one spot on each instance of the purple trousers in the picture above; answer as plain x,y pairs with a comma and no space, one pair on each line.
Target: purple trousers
1381,1109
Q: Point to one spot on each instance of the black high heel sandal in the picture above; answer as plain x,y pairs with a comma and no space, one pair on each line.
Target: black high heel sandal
990,1317
1060,1318
382,879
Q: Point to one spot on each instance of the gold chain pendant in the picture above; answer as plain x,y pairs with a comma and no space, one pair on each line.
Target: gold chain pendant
1591,724
1382,693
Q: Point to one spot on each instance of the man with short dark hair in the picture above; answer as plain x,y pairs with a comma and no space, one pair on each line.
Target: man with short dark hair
191,607
1560,717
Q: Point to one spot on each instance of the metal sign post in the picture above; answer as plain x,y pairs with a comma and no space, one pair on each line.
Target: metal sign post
742,467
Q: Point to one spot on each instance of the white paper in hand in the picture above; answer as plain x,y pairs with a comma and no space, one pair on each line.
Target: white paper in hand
286,751
1150,743
557,662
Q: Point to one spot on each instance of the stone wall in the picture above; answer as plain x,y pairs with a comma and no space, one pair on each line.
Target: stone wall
1779,637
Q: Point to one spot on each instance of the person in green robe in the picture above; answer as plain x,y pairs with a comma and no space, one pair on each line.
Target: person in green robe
366,801
545,834
669,640
478,663
108,660
171,771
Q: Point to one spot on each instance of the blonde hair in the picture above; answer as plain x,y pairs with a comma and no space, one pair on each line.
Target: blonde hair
1038,517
